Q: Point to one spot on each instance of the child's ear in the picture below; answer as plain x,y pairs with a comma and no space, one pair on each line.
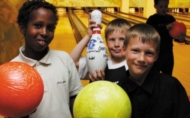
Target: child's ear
22,28
123,50
156,56
155,6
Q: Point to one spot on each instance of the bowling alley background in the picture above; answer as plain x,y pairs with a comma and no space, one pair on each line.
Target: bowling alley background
9,31
11,38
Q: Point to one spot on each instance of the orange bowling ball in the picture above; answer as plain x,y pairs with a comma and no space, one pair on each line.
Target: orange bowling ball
178,29
21,89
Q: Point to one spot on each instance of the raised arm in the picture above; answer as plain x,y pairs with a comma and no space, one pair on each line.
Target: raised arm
77,51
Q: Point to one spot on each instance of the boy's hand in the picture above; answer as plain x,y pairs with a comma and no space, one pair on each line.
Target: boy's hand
169,26
181,37
91,25
97,75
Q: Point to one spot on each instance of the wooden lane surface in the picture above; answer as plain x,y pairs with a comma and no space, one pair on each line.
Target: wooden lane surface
182,64
187,22
64,38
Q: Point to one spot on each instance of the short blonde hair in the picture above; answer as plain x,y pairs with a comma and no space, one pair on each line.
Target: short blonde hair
117,24
145,32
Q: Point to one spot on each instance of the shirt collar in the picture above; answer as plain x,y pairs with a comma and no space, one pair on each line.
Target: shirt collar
45,60
148,84
118,65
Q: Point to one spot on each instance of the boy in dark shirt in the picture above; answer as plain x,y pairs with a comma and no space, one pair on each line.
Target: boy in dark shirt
116,65
152,94
162,22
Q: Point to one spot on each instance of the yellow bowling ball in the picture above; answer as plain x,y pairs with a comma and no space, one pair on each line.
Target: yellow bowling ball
102,99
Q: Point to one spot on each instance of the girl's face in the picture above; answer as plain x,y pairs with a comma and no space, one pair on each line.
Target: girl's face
39,31
115,44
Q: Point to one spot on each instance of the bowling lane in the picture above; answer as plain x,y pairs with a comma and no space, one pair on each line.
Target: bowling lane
63,38
180,15
185,17
108,17
185,20
181,64
84,18
142,19
182,18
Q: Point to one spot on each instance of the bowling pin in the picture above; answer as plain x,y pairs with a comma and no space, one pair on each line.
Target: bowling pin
96,53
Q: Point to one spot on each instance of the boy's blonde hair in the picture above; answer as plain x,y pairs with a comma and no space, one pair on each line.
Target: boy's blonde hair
146,33
117,25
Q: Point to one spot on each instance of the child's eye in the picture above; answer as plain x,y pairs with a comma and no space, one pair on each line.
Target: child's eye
149,53
38,26
135,50
112,39
51,28
122,39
